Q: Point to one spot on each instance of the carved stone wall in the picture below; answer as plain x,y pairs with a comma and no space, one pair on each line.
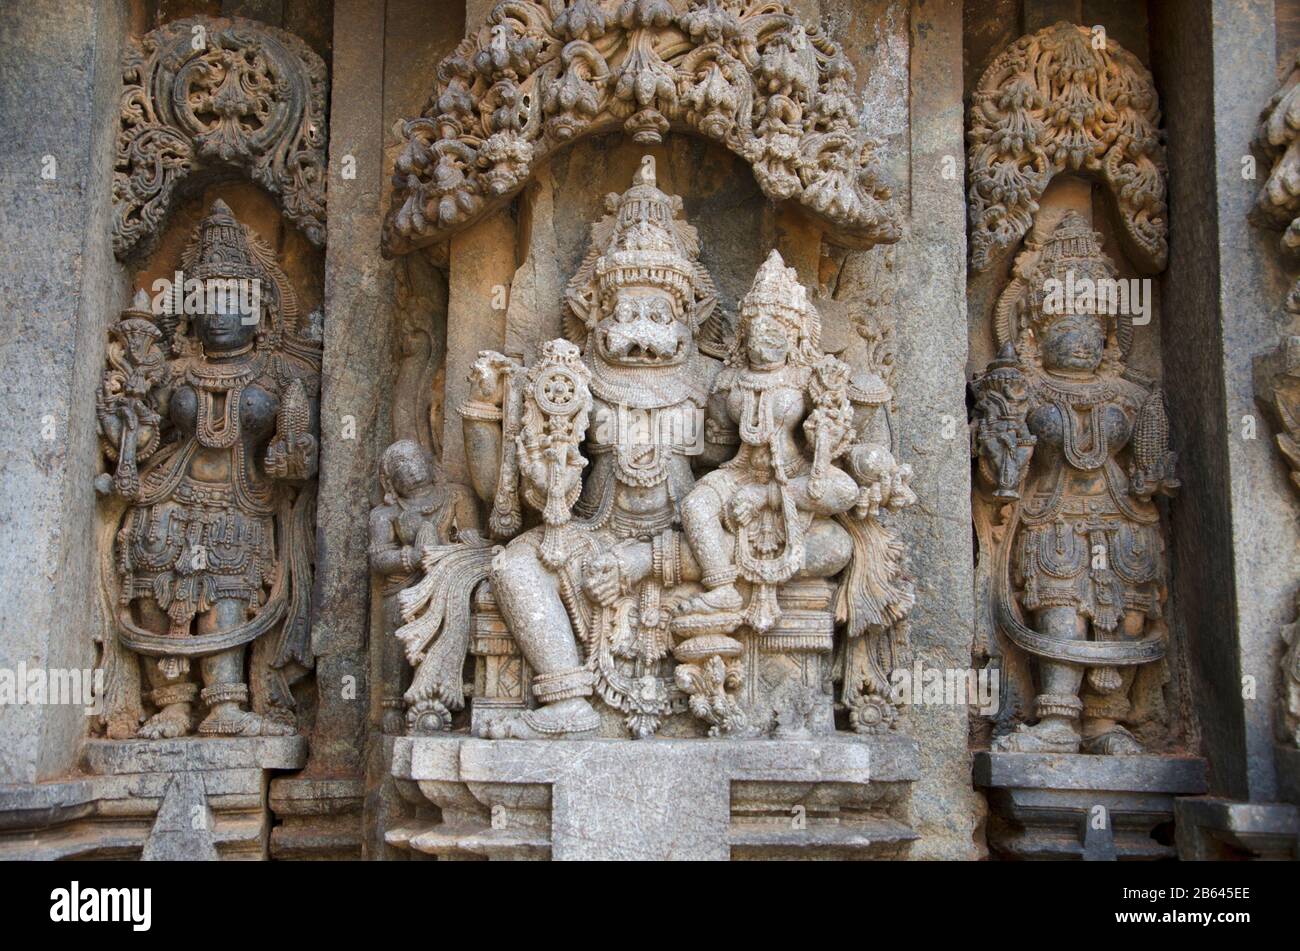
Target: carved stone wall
465,215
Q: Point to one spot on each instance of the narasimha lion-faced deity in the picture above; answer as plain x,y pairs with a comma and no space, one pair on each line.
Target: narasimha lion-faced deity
687,536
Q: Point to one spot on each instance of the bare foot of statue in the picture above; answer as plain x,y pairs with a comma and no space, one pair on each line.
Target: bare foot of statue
716,611
1115,741
168,723
227,719
567,719
1049,735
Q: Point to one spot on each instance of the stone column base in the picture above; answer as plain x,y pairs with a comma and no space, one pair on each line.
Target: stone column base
317,818
658,799
1219,829
1095,808
186,799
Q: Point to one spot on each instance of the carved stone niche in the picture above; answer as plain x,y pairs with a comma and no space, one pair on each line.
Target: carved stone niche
207,417
728,590
1070,441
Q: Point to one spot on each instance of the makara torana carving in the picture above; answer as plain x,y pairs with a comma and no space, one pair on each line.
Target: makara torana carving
538,76
1066,99
207,93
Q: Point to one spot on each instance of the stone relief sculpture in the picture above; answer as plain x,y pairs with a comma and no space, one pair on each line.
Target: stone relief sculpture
1278,374
1065,100
1072,447
627,597
203,93
208,420
538,76
418,510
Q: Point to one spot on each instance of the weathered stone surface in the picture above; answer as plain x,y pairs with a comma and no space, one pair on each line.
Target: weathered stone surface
1223,291
659,799
183,829
1287,760
1176,775
931,400
184,799
1211,829
1073,806
61,288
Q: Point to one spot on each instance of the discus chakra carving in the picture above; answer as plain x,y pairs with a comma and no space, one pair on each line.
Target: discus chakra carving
203,93
1054,102
537,76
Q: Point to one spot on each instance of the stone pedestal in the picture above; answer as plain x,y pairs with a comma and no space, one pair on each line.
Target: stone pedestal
830,797
1218,829
316,818
1095,808
181,799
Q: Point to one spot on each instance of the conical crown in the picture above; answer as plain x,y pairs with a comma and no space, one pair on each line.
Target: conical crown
223,247
776,292
646,245
1074,246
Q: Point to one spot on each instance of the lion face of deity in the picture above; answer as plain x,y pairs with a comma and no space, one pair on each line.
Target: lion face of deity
644,328
1073,342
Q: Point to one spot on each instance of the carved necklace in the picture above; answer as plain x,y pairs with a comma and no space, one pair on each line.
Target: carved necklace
757,425
220,429
642,464
1080,406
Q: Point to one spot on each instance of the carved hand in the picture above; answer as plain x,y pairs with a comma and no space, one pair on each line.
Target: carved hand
292,457
487,377
747,503
603,581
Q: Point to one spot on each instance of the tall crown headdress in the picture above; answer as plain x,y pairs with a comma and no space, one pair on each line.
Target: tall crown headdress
776,292
640,242
223,248
1071,251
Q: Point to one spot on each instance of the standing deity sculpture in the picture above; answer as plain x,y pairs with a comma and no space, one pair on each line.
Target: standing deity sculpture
209,420
621,580
1072,446
418,510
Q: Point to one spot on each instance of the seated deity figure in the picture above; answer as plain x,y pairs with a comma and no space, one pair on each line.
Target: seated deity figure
214,449
634,311
614,584
1072,446
789,405
418,510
